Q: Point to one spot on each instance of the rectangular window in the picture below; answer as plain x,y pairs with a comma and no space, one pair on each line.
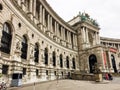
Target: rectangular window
46,72
55,73
24,71
5,69
37,72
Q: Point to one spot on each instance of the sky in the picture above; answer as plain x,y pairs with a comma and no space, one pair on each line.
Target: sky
106,12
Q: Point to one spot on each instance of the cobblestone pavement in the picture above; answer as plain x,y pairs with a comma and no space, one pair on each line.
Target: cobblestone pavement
73,85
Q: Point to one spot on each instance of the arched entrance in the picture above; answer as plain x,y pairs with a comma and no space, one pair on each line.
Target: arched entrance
92,61
113,63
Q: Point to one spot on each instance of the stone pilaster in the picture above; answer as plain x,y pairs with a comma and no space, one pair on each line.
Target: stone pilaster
32,54
23,5
1,28
43,20
17,49
83,35
87,38
48,26
42,58
34,8
109,58
41,17
19,2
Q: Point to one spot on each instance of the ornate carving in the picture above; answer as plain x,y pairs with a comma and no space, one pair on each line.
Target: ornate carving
18,45
31,52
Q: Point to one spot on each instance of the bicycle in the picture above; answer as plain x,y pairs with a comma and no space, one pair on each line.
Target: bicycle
3,86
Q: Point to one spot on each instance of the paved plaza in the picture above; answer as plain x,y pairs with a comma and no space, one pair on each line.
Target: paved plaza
72,85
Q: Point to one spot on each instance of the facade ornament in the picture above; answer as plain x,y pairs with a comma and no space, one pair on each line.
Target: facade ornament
31,51
18,45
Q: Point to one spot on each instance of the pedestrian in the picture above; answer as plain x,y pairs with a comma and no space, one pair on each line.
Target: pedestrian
110,76
106,76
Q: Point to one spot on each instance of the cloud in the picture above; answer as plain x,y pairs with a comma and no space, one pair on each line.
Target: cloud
106,12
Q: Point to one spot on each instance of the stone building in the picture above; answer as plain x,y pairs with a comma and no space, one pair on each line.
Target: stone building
40,45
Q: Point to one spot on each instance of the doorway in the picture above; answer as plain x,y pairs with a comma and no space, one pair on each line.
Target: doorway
92,61
113,63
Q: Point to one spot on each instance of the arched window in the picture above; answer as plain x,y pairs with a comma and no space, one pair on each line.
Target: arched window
61,61
92,62
67,62
54,59
73,62
46,56
24,48
36,54
6,38
1,7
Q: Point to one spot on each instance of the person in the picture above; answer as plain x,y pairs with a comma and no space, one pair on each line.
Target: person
106,76
110,76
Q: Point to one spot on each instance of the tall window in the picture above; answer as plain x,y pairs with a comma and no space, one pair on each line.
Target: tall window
6,38
24,71
67,62
61,61
36,54
24,48
37,72
73,62
46,56
54,59
5,69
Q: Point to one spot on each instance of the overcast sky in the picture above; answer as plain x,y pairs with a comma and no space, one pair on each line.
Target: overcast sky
106,12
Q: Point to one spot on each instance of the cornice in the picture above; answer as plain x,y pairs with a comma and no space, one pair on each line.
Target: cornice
110,39
13,2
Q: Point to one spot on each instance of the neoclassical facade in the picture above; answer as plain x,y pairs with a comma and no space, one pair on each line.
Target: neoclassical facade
37,43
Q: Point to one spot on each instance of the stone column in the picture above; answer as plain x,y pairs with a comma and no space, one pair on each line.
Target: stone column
109,58
98,37
67,36
48,22
34,8
83,34
23,5
1,28
41,16
51,29
70,37
19,2
31,10
87,38
43,20
64,36
62,33
55,28
76,40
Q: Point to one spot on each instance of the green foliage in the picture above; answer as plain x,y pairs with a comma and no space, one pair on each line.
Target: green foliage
0,75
